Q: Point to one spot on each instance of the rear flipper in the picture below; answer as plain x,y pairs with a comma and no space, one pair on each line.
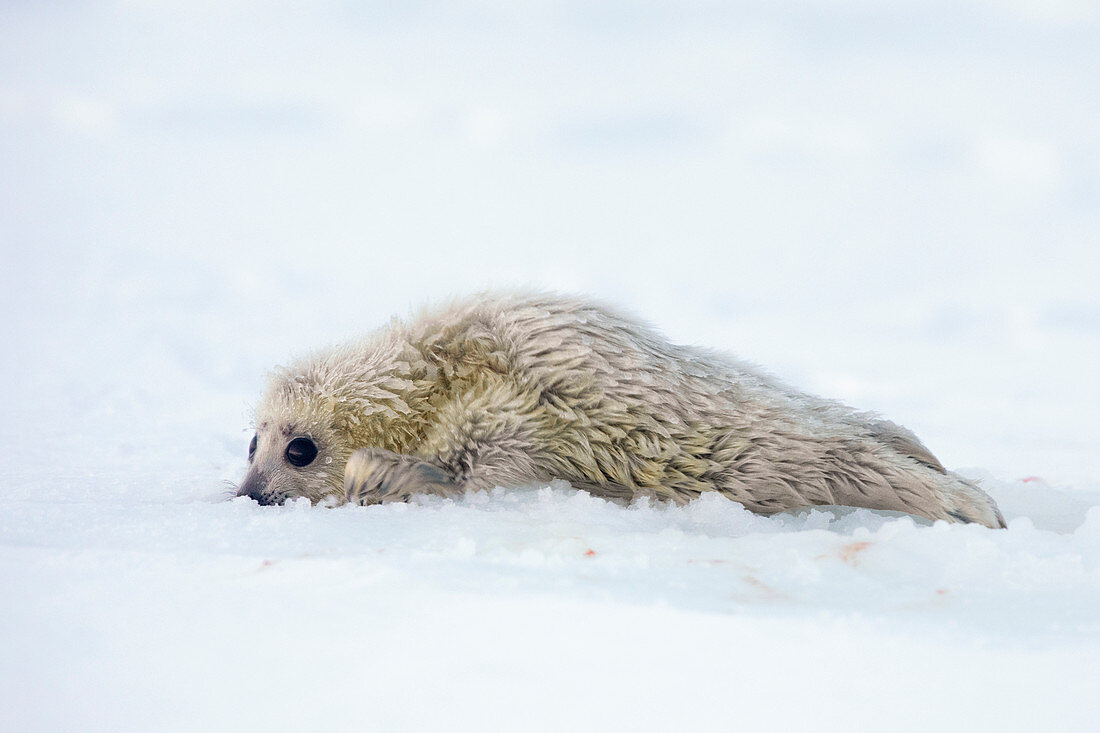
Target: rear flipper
964,501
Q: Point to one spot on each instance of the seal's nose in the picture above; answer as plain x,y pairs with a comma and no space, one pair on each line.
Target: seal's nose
254,487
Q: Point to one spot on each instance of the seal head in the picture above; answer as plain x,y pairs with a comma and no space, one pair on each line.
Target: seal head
298,449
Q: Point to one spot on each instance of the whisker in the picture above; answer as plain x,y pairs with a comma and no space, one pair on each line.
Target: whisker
230,489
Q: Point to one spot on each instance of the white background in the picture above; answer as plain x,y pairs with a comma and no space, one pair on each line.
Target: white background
896,206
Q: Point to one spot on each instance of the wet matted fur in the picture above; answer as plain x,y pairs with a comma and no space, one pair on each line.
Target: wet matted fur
510,389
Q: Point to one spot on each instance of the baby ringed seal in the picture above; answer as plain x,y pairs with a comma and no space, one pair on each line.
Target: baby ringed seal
505,389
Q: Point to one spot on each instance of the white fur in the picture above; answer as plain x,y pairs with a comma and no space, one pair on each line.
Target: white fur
506,389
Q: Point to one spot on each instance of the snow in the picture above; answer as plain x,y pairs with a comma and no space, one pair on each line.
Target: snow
895,206
541,608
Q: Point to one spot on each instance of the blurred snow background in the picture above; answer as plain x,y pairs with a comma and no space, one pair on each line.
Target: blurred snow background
895,205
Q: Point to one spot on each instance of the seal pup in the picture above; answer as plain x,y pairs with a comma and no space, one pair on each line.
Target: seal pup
507,389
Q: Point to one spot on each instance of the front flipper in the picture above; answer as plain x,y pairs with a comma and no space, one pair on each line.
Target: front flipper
376,475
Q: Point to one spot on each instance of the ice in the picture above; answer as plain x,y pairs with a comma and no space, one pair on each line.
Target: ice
892,206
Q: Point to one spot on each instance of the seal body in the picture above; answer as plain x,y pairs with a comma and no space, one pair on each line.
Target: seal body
511,389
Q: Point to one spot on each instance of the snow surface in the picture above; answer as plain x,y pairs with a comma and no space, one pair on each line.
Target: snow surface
894,206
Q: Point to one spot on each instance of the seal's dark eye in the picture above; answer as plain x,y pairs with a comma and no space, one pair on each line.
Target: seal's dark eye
252,448
301,452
